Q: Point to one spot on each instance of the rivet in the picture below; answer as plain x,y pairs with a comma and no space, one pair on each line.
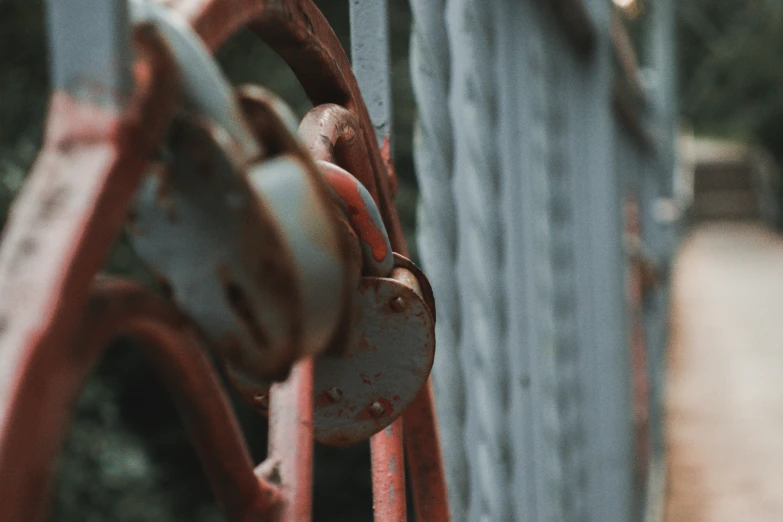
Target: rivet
397,304
376,410
261,401
334,394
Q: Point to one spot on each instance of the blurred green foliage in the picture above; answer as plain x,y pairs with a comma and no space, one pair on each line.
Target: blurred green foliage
730,69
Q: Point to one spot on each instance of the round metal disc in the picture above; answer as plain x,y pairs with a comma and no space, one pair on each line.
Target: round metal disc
387,361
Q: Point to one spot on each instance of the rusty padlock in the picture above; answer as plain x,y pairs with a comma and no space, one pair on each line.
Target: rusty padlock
387,358
241,224
222,244
389,352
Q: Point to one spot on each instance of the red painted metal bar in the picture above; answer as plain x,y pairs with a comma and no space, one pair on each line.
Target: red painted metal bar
388,474
71,210
290,460
332,134
49,381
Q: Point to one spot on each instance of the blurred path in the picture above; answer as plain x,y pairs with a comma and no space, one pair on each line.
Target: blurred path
725,382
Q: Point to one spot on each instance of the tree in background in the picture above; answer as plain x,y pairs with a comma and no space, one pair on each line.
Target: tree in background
731,70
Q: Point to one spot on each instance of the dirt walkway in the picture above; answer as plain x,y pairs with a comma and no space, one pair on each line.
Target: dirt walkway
725,389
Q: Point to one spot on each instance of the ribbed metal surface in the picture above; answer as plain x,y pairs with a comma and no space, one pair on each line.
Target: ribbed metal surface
565,98
430,59
473,108
524,171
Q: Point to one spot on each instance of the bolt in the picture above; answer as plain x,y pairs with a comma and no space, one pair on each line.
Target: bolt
376,410
334,394
261,401
397,304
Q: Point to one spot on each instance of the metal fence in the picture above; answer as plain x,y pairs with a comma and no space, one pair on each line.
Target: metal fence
539,128
537,124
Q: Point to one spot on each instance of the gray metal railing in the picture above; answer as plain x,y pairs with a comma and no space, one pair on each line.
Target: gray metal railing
537,122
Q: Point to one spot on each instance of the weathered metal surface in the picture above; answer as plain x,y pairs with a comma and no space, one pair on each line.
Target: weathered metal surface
272,122
37,415
298,31
90,54
578,25
70,211
385,364
290,456
242,292
424,456
247,211
291,191
204,89
364,217
371,62
332,133
388,474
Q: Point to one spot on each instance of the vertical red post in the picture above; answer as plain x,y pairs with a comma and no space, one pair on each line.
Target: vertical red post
425,460
388,474
291,441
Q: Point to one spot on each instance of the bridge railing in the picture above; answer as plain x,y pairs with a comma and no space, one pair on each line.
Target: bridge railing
539,125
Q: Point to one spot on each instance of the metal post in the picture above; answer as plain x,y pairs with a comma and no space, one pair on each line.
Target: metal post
600,296
532,405
90,50
371,61
566,69
370,54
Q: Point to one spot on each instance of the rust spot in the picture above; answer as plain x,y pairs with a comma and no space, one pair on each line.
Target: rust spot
28,246
391,172
67,146
322,400
52,203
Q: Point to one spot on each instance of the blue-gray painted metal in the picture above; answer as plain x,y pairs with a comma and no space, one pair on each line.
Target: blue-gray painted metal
371,61
430,61
288,191
540,167
532,427
601,295
565,74
90,49
479,256
205,88
190,228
